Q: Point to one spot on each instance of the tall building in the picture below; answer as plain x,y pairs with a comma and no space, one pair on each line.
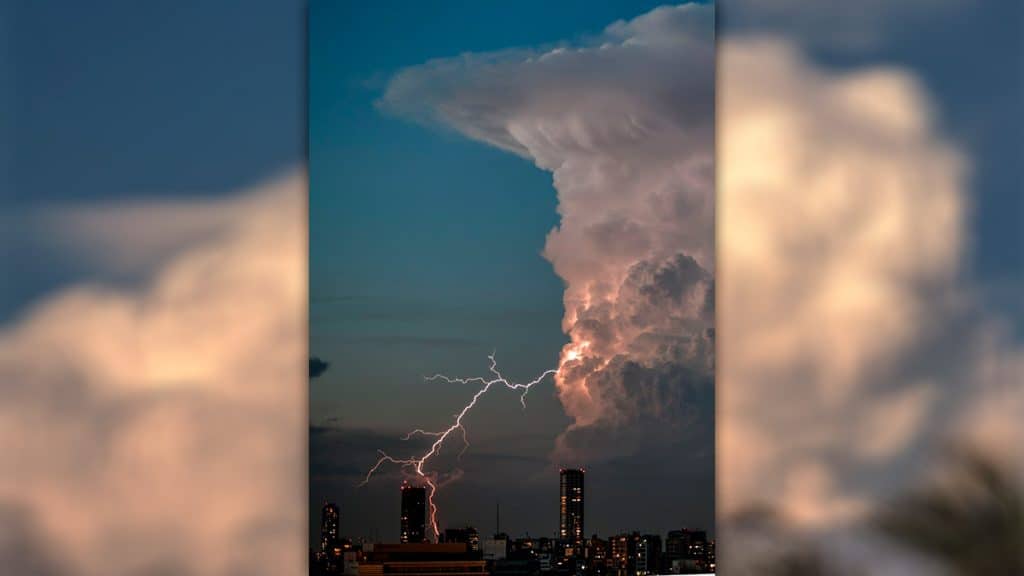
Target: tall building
329,558
328,527
414,514
570,506
622,554
648,554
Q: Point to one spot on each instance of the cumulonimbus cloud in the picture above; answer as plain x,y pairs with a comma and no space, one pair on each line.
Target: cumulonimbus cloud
851,351
160,430
625,124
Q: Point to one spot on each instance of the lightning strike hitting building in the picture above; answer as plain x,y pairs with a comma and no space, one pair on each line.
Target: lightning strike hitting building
417,464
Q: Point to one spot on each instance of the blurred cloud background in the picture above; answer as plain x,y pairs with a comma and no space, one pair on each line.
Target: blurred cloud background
153,288
870,270
152,346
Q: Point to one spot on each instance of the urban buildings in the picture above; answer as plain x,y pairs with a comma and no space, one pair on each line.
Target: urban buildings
421,559
596,556
328,526
462,552
648,554
468,536
329,556
414,514
496,548
622,555
570,506
688,551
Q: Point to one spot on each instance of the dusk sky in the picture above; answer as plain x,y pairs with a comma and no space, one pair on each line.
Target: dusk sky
426,256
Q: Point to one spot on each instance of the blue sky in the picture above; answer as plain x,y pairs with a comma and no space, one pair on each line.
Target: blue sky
120,99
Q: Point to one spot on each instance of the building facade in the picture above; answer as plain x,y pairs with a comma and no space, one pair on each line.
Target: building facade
468,536
328,527
686,551
648,555
570,506
414,514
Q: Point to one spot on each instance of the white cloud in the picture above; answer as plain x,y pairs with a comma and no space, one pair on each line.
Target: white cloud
626,127
161,430
851,349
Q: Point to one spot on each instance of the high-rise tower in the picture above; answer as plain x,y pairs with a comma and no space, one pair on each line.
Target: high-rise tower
570,505
414,514
328,527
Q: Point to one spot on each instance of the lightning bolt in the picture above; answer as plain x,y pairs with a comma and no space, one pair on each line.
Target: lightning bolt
418,463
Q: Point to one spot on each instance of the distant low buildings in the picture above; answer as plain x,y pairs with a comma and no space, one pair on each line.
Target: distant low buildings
688,552
496,548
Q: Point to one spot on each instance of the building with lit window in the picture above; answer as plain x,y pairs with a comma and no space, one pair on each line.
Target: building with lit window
414,514
622,554
328,527
686,551
329,556
596,556
468,536
634,554
648,554
570,506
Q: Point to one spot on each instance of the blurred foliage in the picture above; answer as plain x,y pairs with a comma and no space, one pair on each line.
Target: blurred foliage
803,563
971,523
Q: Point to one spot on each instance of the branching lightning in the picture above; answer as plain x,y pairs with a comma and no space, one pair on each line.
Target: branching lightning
418,463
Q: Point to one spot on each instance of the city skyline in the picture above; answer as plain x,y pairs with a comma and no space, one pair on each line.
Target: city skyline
630,552
412,519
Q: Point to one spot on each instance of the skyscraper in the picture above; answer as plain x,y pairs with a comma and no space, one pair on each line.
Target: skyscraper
648,554
414,514
328,527
329,558
570,506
